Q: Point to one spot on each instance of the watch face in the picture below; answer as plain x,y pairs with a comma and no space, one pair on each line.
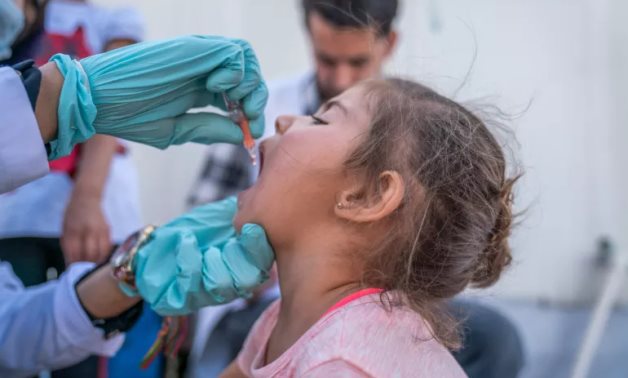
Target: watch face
122,252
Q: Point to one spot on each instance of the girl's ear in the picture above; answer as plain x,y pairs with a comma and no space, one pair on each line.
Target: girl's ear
357,205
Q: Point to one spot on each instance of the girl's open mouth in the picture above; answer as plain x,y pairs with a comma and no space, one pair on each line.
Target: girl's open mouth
261,158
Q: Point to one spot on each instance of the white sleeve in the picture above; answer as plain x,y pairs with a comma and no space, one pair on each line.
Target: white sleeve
123,23
22,153
45,327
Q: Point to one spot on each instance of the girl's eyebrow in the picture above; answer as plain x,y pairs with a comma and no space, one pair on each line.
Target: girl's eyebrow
331,103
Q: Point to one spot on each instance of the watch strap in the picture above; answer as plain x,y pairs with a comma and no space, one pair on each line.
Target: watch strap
114,325
31,78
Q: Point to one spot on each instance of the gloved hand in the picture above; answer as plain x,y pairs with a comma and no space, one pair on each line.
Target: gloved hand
197,260
142,92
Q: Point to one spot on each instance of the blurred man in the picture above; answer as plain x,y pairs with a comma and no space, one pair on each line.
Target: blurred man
350,41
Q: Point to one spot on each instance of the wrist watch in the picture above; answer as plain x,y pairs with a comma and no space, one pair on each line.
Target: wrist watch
122,260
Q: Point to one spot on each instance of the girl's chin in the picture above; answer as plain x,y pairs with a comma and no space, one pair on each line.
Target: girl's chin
238,223
244,200
243,215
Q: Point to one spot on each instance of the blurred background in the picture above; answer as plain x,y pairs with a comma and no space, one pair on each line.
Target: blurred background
560,68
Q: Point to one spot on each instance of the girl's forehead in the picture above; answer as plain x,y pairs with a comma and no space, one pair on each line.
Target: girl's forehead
352,103
353,96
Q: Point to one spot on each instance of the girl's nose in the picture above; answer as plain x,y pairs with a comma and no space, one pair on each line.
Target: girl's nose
283,123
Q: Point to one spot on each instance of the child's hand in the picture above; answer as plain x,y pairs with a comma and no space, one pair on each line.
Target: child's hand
85,235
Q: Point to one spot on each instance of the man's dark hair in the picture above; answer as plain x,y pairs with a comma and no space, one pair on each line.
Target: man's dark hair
378,14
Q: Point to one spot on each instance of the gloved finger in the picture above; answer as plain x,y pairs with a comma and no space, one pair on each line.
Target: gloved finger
205,98
252,74
212,223
257,126
228,206
228,75
255,102
252,90
244,271
254,240
213,218
205,128
168,270
152,127
217,278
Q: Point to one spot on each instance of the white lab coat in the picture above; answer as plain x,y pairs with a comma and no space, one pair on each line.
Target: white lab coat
43,327
22,152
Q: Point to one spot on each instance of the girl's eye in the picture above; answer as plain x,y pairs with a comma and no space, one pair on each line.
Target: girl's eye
317,121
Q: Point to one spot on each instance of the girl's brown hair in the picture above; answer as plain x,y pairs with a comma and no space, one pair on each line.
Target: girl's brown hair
452,228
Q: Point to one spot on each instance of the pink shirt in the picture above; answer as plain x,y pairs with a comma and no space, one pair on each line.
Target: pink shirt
358,339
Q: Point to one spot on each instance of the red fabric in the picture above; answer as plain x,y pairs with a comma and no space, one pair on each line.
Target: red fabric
67,164
103,367
352,297
51,43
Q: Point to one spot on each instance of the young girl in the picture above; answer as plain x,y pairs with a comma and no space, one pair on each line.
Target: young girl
387,202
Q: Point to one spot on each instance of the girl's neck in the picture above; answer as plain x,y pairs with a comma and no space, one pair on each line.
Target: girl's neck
311,282
311,286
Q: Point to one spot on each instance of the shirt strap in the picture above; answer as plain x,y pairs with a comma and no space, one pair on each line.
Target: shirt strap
352,297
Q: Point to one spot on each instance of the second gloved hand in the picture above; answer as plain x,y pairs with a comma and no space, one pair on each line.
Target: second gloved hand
197,260
142,92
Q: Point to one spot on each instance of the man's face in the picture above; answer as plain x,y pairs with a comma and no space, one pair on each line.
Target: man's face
344,56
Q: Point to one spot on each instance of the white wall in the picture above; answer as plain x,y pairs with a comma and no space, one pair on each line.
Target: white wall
618,69
166,176
556,55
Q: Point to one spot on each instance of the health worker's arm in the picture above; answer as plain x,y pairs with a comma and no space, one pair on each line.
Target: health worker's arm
22,131
47,104
116,93
46,327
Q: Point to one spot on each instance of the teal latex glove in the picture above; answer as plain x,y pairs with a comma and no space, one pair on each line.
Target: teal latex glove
197,260
142,92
